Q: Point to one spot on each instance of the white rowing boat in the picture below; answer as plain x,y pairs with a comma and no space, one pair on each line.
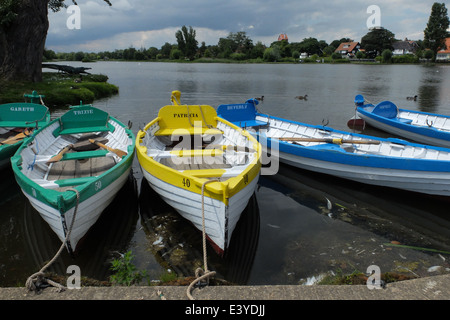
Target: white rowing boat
388,162
423,127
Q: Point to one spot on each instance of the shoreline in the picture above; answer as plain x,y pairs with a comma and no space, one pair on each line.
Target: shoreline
60,90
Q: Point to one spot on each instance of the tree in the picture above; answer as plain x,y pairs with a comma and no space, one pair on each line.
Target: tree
387,55
23,31
272,54
186,42
377,40
436,30
237,42
310,46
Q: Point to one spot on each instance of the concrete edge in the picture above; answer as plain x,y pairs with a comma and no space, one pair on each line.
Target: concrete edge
427,288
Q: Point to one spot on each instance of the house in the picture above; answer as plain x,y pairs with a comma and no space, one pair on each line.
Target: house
348,49
283,36
444,54
404,47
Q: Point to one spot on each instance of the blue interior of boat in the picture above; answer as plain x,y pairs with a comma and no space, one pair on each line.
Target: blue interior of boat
241,114
386,109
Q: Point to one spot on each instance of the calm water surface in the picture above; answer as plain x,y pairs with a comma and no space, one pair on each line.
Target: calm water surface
299,225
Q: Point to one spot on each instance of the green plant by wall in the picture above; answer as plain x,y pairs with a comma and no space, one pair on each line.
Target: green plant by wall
125,272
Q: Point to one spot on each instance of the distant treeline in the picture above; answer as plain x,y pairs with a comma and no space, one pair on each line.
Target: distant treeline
239,47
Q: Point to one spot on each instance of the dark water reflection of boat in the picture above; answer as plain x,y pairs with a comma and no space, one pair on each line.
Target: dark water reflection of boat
177,244
109,236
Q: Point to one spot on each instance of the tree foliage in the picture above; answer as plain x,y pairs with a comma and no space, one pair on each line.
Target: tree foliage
186,42
436,30
377,40
23,31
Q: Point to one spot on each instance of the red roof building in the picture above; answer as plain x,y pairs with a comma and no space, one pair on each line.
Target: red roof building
283,36
348,48
444,54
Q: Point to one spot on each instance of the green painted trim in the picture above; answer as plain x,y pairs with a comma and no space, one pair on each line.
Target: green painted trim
84,154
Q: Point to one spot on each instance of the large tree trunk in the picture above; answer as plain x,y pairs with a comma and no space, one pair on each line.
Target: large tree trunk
22,42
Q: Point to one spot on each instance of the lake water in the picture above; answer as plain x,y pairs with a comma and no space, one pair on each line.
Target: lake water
299,226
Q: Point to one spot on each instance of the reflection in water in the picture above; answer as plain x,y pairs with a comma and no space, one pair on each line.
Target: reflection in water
13,261
429,89
177,244
109,235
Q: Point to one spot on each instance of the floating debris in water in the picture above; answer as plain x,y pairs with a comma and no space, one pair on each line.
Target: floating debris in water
157,242
434,268
329,205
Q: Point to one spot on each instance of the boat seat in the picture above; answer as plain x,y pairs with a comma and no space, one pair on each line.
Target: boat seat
242,114
328,147
386,109
74,181
195,163
84,154
23,115
82,119
405,121
184,120
187,131
251,123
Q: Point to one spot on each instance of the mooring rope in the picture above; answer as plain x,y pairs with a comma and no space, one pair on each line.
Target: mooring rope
39,276
199,273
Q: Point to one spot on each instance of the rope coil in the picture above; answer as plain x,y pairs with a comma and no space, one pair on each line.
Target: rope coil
38,277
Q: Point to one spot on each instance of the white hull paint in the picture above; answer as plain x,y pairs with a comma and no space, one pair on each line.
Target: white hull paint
87,213
220,220
405,133
435,183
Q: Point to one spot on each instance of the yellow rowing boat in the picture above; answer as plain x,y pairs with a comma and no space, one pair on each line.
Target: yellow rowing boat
203,166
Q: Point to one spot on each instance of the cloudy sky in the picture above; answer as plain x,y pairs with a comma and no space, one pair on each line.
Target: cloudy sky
151,23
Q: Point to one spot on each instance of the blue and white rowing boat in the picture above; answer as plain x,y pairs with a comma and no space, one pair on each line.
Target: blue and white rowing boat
377,161
423,127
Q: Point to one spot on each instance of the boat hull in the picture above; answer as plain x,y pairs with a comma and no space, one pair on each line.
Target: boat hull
371,160
87,213
223,170
434,183
406,131
423,127
220,219
82,185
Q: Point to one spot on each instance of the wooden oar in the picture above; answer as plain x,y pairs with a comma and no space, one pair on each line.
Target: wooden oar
330,140
17,137
59,156
118,152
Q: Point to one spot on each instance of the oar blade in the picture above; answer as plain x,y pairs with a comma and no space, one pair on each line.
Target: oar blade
118,152
60,155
